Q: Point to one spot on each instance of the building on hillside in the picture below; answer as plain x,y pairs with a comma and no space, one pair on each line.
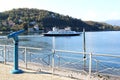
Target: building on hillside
34,29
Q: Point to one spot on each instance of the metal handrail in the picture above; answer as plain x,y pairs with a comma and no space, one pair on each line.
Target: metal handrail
90,59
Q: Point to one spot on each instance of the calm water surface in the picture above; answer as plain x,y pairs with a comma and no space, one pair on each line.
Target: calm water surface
96,42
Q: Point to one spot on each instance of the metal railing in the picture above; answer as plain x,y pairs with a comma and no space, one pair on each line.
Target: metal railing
70,64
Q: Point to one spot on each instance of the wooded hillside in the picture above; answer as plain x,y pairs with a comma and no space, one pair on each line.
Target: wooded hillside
14,19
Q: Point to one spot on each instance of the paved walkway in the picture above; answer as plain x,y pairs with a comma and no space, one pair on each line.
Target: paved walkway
33,75
27,75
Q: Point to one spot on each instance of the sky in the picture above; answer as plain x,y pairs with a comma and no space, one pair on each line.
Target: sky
95,10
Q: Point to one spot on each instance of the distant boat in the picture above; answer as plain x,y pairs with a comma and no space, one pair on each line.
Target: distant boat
61,32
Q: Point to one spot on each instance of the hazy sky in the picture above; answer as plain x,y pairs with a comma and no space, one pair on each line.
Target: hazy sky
96,10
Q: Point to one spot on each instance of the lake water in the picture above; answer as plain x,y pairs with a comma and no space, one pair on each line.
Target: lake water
96,42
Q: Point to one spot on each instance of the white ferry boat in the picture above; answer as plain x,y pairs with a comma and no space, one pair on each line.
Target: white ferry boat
61,32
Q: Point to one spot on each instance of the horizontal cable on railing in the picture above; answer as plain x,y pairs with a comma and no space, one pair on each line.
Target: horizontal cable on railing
104,70
109,61
30,48
94,54
1,49
23,47
70,51
107,55
68,57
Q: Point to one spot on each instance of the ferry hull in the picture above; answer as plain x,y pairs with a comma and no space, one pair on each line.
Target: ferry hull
46,34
